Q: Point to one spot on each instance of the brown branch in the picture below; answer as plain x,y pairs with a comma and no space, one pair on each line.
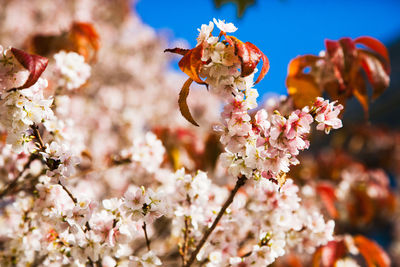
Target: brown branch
37,136
74,199
239,183
145,235
185,247
11,186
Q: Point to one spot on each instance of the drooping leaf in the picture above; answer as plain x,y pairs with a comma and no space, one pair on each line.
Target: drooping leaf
373,254
377,73
183,106
33,63
249,55
360,92
375,45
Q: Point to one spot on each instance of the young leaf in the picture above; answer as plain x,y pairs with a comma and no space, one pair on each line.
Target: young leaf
249,55
183,107
191,63
33,63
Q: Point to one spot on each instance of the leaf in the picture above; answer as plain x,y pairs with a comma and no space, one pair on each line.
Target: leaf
360,92
327,194
85,39
373,254
375,45
177,50
249,55
183,107
81,38
242,5
33,63
302,87
376,72
191,63
327,255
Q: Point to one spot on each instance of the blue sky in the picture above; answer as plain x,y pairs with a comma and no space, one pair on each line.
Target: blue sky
282,29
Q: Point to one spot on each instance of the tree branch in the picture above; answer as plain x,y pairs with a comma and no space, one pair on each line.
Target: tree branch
145,235
239,183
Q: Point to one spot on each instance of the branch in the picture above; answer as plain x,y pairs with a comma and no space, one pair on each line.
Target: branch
145,235
11,186
239,183
185,247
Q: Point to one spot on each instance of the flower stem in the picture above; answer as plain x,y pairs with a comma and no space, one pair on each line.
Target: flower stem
145,235
239,183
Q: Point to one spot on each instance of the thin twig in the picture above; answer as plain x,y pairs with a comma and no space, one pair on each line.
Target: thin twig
185,247
145,235
11,186
239,183
74,199
37,136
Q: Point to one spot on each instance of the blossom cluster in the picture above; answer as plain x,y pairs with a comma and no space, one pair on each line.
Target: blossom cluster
262,145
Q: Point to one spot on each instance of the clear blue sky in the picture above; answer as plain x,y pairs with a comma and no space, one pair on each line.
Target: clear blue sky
282,29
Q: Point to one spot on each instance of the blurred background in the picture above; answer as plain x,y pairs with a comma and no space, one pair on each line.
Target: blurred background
284,29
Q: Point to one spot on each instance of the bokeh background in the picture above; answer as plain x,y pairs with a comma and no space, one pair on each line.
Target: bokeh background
284,29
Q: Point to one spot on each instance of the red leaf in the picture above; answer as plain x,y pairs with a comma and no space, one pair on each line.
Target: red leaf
375,45
373,254
249,55
183,94
33,63
376,72
327,255
327,193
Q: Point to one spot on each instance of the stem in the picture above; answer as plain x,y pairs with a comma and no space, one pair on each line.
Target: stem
74,199
239,183
185,247
145,235
37,135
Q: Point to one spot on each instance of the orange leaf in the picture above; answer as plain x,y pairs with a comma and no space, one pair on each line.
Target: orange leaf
360,92
191,63
373,254
302,87
249,55
85,39
33,63
183,94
